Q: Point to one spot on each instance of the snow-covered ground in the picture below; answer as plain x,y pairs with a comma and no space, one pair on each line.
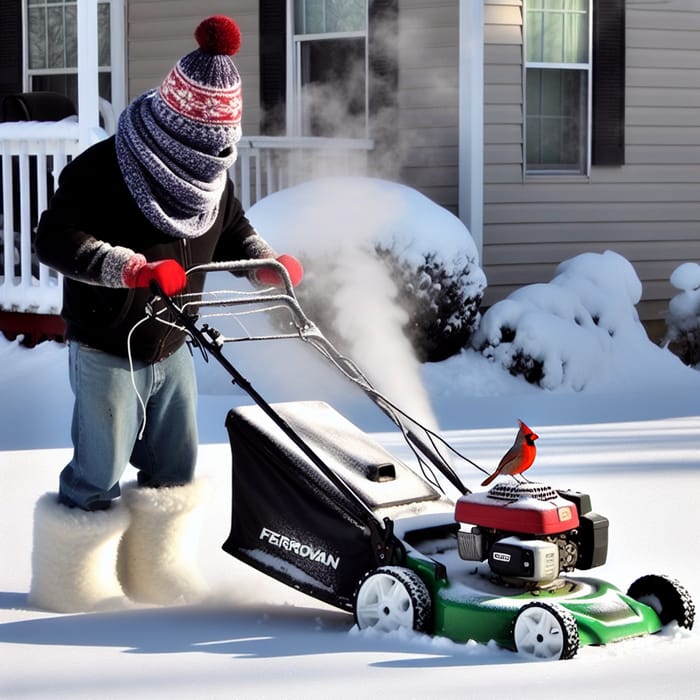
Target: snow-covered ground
255,638
630,436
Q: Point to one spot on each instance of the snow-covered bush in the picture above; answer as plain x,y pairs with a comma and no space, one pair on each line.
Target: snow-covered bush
683,321
560,333
373,247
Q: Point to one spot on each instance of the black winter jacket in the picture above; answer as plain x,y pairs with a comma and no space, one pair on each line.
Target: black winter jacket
93,202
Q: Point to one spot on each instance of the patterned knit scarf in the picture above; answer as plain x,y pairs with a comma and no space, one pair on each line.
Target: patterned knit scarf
177,185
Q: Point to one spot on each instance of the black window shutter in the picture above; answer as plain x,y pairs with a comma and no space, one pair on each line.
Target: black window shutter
608,82
10,48
273,66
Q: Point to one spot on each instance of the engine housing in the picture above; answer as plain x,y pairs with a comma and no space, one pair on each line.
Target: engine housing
530,532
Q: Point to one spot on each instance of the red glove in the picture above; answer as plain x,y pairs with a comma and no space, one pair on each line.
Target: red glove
268,276
168,273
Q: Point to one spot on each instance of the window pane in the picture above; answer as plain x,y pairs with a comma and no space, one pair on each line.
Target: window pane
71,37
56,37
329,16
310,16
553,38
556,125
103,34
53,34
345,15
557,31
333,87
37,37
576,37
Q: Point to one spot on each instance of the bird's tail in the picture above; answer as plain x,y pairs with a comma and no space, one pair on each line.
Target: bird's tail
489,479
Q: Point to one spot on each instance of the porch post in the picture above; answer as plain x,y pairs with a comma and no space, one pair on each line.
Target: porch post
117,60
88,86
471,118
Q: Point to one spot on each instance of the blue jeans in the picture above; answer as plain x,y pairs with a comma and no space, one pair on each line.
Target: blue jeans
108,417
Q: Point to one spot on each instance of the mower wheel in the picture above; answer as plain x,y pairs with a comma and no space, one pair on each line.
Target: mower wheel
545,632
667,597
393,597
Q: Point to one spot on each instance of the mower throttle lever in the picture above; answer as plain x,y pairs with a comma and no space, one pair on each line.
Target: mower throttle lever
214,335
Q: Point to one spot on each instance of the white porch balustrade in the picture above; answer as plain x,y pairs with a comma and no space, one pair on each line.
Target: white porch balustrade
33,154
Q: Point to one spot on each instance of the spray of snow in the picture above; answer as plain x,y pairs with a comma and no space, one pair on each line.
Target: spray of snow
340,219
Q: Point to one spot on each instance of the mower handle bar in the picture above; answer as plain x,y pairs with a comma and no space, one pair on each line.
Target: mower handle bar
288,297
309,332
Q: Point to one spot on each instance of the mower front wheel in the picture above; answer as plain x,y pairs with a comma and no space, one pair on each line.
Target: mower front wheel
667,597
391,598
545,632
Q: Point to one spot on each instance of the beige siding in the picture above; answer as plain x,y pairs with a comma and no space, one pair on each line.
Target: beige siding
647,210
161,31
428,98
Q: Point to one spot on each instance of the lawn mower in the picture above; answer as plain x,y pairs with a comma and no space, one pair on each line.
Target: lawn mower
321,506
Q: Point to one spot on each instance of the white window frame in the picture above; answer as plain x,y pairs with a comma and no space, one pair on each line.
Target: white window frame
586,68
117,63
294,102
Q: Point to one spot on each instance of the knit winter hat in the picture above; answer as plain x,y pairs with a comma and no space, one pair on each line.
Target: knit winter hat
200,99
175,143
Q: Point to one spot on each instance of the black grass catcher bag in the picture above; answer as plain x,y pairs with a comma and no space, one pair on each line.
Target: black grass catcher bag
289,519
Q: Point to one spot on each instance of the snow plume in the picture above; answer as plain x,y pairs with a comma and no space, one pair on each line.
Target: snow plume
371,323
338,220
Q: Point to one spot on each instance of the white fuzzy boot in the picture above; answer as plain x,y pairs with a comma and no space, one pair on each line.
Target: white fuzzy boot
158,553
74,559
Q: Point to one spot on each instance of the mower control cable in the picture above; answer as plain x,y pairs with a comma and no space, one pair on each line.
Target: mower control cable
385,544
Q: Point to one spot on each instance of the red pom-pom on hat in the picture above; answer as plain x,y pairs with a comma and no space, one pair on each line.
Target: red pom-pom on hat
218,35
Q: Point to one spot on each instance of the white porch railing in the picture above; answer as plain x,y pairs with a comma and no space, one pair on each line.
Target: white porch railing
267,164
33,154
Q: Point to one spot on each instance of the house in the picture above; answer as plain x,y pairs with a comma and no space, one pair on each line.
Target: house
551,128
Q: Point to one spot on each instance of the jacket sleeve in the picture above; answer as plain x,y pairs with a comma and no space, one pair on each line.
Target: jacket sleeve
239,240
64,244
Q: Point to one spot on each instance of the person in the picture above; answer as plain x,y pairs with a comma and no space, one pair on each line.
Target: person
145,205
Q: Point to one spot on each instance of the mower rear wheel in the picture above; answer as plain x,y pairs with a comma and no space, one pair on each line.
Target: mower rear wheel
545,632
391,598
667,597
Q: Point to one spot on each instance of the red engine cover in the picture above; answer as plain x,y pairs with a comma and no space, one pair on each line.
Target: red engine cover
525,515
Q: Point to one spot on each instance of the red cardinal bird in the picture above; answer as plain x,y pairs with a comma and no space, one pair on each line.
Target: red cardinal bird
519,457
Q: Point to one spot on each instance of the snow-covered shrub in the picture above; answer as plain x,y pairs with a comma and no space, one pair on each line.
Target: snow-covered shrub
683,321
376,248
559,334
441,302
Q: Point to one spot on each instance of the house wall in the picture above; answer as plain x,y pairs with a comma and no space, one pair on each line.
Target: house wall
429,98
160,32
648,210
